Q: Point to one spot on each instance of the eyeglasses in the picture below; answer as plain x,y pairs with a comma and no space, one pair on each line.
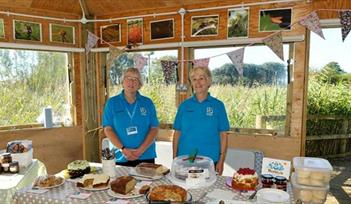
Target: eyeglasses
132,79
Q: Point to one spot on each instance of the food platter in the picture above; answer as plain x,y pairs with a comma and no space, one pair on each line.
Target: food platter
133,194
188,197
138,176
95,189
60,183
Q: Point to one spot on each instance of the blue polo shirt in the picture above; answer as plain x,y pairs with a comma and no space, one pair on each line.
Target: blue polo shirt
200,124
117,114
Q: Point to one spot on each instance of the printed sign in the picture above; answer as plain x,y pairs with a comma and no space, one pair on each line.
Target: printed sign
276,167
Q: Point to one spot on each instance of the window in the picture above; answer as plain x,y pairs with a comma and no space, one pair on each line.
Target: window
162,94
256,100
31,81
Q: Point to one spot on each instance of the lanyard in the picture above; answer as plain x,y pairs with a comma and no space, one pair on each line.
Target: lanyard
132,115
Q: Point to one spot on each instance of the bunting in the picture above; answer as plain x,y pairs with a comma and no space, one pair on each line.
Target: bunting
275,42
345,20
140,62
168,68
312,23
91,42
237,57
114,53
201,62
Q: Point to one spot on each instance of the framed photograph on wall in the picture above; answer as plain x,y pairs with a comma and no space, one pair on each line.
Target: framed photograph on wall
275,19
238,23
110,33
2,28
204,25
25,30
62,33
135,31
162,29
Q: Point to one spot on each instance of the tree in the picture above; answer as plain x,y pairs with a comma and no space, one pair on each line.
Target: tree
331,73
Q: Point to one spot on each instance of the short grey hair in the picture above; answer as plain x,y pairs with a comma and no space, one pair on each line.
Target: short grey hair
133,70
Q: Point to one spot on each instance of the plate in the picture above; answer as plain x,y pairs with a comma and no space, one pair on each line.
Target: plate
188,197
138,176
133,194
54,186
96,189
272,195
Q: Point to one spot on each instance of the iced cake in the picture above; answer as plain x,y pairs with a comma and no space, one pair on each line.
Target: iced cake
245,179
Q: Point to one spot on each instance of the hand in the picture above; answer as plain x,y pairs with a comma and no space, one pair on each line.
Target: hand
129,155
136,152
219,167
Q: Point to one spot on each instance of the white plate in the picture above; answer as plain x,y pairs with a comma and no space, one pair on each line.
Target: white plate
271,195
49,187
95,189
133,194
188,197
138,176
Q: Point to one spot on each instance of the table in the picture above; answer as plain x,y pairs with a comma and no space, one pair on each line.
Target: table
10,183
60,195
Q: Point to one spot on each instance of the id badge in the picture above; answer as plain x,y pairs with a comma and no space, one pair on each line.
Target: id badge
132,130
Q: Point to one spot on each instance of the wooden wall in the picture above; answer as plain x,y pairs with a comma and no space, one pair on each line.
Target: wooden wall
55,147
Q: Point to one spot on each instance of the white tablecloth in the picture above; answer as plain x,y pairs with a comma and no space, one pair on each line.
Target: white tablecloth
10,183
60,195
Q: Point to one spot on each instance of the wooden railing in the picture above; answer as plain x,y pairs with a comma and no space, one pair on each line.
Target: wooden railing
326,145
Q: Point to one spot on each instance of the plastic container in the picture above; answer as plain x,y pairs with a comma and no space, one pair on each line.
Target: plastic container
311,171
309,194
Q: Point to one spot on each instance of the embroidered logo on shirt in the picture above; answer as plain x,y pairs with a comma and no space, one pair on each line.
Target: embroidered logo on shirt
209,111
143,111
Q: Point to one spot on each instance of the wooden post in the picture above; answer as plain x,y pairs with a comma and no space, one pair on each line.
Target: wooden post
343,142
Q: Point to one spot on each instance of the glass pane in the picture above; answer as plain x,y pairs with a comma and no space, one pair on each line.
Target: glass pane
162,94
329,95
31,81
260,95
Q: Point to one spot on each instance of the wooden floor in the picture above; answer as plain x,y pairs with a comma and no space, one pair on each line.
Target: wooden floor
340,185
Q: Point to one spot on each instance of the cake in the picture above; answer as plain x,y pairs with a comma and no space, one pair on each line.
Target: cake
144,189
94,181
168,193
245,179
150,169
48,181
183,168
123,185
78,168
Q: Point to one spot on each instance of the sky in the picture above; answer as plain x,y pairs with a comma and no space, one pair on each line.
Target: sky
321,52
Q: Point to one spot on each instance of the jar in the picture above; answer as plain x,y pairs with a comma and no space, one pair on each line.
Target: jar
267,180
5,167
14,167
280,182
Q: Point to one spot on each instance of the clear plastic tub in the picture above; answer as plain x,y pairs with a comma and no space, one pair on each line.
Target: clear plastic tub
309,194
311,171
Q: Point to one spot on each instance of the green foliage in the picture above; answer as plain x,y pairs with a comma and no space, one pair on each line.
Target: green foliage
266,24
238,25
31,81
267,73
331,73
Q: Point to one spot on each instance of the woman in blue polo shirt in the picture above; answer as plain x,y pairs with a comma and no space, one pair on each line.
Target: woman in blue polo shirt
201,122
130,122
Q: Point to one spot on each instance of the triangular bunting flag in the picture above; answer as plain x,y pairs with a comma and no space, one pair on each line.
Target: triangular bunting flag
91,42
312,23
201,62
237,57
168,68
114,53
140,62
275,42
345,20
